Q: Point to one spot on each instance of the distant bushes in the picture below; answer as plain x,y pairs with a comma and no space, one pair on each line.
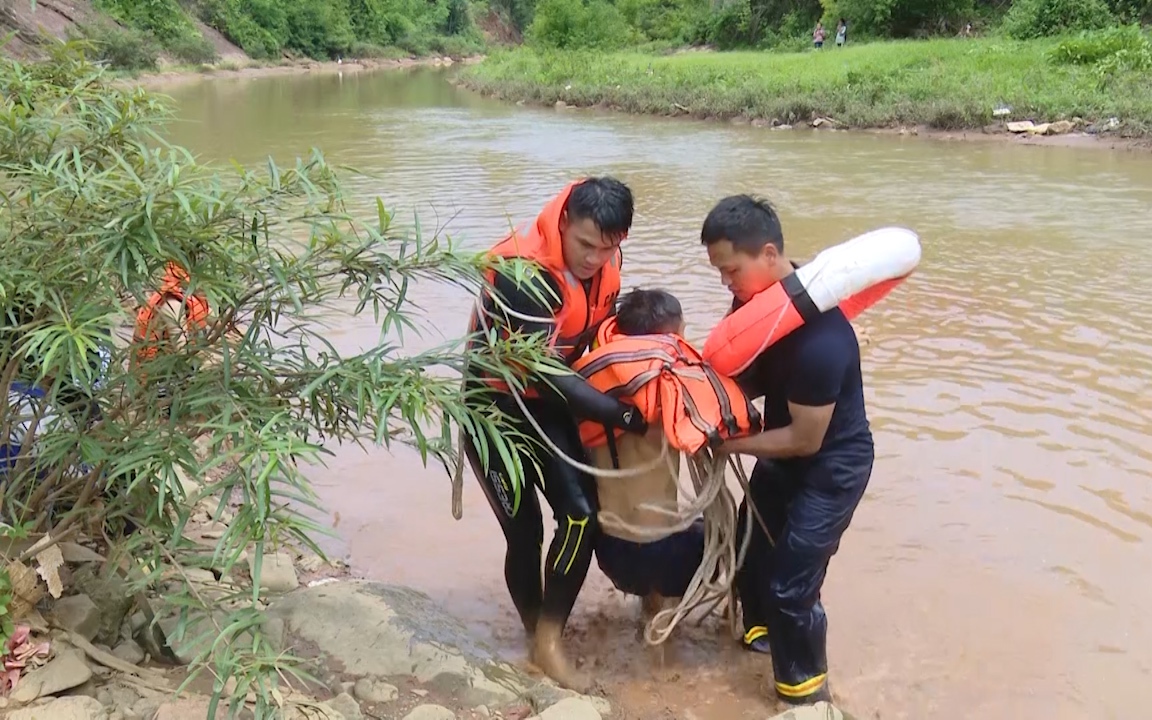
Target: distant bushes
1109,52
271,29
567,25
122,48
361,28
1029,19
147,28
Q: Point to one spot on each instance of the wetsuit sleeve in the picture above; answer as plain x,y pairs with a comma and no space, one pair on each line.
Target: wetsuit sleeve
821,365
535,298
582,399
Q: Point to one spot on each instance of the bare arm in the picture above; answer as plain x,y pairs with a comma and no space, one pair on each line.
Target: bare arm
801,438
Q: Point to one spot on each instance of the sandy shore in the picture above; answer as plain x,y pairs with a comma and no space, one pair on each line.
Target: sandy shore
173,76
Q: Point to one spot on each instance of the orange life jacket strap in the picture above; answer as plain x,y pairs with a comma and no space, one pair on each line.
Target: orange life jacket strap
698,421
612,358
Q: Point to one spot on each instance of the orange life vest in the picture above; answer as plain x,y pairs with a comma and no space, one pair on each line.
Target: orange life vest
669,382
149,334
581,310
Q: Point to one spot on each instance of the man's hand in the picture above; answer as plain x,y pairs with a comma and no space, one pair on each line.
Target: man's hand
802,438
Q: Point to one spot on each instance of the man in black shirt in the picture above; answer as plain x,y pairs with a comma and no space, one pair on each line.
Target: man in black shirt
813,460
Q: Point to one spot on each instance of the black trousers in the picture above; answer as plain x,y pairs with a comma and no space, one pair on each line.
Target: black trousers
806,505
572,497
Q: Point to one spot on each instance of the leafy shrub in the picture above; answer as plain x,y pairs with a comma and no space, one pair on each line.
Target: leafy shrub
163,18
121,48
458,46
564,24
1087,48
1028,19
194,50
663,20
96,204
375,52
896,18
324,29
728,28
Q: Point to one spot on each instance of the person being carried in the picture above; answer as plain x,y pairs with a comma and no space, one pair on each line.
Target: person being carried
813,461
576,243
658,571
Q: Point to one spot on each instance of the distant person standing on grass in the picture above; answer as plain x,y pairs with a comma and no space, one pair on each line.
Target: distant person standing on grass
818,36
841,32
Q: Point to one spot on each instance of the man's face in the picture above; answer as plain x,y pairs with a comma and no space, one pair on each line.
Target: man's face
586,249
745,274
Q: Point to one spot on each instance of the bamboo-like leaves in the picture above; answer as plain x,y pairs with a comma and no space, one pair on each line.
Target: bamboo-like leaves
94,204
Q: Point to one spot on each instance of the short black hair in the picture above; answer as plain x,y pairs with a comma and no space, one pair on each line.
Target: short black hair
649,312
605,201
748,222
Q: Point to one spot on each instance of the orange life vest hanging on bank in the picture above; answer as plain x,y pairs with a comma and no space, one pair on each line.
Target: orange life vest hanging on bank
669,382
582,310
150,333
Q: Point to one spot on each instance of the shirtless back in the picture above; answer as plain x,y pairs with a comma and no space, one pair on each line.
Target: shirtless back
623,497
656,570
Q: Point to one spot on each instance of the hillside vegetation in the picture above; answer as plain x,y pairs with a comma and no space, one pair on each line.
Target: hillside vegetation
136,34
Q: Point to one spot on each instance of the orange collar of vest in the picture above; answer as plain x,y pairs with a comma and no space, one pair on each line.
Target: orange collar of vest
174,278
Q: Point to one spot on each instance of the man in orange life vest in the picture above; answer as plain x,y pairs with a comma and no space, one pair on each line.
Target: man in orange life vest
576,242
814,458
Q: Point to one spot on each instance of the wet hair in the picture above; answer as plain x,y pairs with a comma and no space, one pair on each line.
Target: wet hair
748,222
605,201
649,312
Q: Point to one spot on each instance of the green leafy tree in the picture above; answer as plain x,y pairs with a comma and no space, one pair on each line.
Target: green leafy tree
95,204
1039,18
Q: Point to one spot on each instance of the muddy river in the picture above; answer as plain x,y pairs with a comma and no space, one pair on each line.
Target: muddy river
999,565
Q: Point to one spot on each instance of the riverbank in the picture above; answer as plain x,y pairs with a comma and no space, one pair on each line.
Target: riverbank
94,650
943,86
177,75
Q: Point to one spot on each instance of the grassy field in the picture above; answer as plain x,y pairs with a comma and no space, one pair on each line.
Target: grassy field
946,84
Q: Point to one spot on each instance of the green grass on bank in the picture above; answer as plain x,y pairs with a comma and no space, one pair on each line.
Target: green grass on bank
947,84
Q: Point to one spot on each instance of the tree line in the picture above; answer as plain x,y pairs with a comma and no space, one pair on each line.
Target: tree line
322,29
788,24
275,29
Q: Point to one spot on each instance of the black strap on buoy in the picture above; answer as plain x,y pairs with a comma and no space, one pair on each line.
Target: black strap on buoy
800,298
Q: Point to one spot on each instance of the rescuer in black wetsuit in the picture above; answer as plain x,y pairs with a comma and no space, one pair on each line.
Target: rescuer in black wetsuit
575,240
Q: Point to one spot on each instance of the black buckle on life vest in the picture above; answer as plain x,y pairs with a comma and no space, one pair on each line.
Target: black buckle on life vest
715,440
800,298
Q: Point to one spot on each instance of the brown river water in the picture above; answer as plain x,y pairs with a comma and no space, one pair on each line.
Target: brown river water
999,565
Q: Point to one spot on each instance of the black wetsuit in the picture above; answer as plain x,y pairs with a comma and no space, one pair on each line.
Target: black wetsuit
807,503
570,492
